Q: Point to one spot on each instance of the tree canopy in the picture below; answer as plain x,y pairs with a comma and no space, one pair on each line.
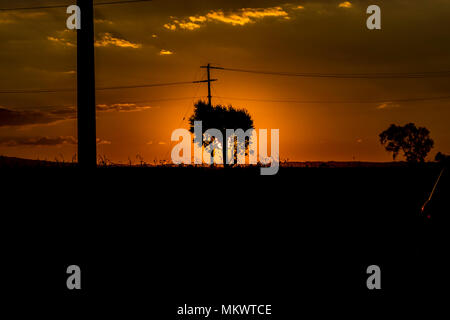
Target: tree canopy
415,143
221,118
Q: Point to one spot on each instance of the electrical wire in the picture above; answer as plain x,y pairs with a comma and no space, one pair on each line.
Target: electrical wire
97,89
415,75
339,101
66,5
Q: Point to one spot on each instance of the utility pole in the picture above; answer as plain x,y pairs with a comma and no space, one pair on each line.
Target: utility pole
208,73
225,142
87,137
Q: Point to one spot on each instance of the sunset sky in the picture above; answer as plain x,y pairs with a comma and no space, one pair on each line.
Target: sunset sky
168,41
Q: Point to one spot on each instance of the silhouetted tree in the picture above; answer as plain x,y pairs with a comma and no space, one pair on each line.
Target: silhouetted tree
221,118
442,158
415,143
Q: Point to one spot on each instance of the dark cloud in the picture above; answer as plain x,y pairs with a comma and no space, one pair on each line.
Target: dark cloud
10,117
37,141
66,112
44,141
121,107
103,141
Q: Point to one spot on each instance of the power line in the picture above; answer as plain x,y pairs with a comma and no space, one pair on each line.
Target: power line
34,8
409,75
339,101
120,2
37,91
146,85
66,5
115,103
162,100
98,89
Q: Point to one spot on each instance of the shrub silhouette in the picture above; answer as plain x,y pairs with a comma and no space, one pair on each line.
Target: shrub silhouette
442,158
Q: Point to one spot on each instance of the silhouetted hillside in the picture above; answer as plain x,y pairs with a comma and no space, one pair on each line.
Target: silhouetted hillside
12,162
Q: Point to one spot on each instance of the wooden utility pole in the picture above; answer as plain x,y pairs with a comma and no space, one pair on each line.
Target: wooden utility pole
87,137
224,142
208,69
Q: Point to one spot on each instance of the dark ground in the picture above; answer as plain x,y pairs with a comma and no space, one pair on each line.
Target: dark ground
150,239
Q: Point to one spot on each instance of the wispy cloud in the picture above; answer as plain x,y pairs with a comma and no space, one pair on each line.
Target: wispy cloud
171,26
240,17
38,141
165,52
387,105
345,4
51,115
61,41
10,117
103,21
121,107
44,141
103,142
18,16
108,39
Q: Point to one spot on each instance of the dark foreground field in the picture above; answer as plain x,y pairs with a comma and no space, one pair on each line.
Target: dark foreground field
150,239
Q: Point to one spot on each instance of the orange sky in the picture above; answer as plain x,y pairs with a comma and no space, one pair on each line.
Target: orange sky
167,41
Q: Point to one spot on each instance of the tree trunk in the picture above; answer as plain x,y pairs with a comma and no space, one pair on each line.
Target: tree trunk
225,150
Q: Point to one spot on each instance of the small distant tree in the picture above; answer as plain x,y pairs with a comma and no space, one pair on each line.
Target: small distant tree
442,158
415,143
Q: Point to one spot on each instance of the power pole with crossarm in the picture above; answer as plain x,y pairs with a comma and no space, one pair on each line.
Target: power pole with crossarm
208,73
